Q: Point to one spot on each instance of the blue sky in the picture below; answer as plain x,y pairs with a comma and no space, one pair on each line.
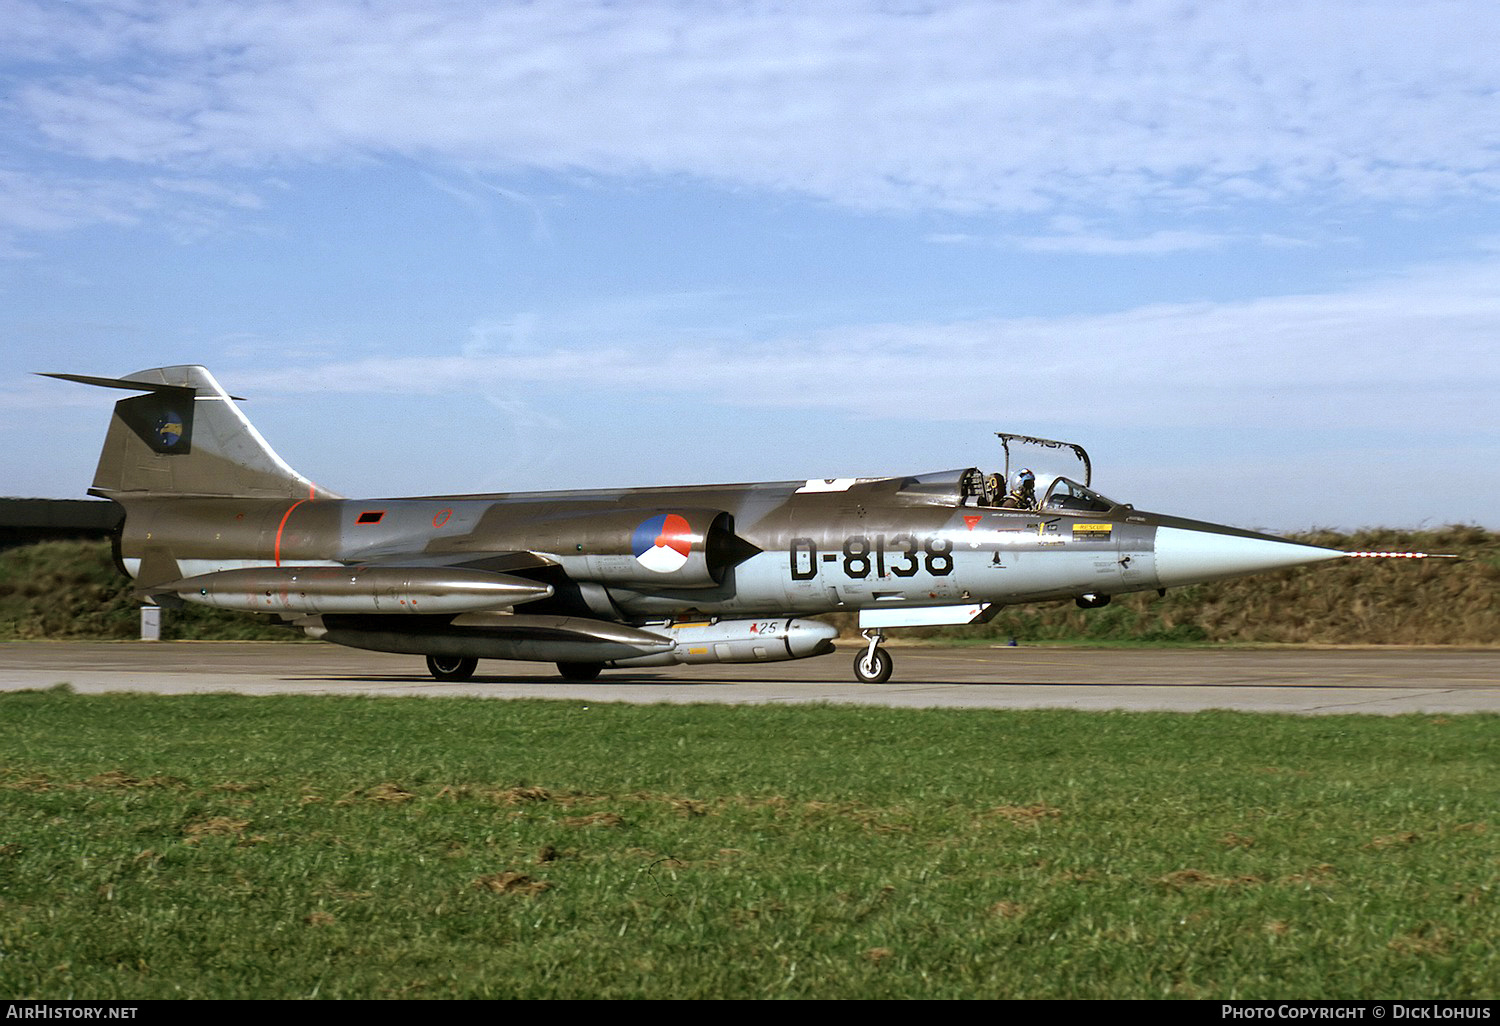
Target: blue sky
1247,253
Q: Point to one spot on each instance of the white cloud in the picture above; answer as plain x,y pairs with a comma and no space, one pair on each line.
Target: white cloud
33,202
1072,234
965,106
1157,242
1415,353
41,203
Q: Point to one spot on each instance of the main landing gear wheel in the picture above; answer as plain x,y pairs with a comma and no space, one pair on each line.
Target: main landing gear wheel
579,671
873,666
451,667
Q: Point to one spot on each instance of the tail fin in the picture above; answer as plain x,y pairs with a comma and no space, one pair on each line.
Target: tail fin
186,437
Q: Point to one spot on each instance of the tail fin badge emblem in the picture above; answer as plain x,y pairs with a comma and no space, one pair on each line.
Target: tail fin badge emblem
169,430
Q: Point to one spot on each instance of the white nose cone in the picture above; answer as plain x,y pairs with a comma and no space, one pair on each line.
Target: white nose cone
1191,557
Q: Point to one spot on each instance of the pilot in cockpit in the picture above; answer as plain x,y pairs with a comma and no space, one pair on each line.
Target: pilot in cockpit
1023,495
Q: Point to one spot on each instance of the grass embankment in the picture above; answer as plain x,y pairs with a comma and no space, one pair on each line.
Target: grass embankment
71,590
223,846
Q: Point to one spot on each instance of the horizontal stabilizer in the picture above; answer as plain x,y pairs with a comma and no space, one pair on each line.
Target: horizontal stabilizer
125,383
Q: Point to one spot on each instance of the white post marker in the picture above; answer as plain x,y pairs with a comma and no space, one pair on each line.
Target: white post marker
151,623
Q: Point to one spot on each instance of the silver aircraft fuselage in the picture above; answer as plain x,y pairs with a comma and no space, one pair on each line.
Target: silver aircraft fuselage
786,548
626,577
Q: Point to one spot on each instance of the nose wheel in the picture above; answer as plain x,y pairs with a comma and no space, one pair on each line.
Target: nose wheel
874,664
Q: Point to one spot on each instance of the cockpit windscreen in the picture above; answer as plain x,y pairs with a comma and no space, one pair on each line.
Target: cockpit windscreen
1067,494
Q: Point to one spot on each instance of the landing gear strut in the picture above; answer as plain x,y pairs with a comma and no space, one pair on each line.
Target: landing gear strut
874,664
452,668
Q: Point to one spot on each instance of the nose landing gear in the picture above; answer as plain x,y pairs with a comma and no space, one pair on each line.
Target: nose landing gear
874,664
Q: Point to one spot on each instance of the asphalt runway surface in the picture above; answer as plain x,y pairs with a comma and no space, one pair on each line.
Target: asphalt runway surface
1384,681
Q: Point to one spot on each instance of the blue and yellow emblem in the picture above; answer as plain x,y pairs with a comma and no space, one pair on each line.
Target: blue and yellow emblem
169,429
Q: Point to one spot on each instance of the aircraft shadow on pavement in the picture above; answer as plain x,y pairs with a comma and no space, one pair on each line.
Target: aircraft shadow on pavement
426,681
639,679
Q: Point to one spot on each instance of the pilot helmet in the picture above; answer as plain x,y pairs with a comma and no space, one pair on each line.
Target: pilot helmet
1025,479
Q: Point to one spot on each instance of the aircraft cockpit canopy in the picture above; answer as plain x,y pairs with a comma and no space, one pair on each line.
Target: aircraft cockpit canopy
1018,486
1067,494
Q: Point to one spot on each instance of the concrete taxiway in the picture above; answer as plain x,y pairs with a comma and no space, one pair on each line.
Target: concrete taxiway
1383,681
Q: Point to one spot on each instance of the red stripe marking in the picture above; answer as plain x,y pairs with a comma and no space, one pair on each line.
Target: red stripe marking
282,526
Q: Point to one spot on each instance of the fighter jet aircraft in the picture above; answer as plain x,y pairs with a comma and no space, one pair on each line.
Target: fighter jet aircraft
624,578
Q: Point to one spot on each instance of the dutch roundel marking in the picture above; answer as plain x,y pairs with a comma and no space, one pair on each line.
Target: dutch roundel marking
663,543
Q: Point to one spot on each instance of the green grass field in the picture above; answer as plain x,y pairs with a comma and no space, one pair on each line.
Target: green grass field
223,846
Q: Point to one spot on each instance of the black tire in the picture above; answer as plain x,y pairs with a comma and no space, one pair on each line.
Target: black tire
579,671
451,668
873,670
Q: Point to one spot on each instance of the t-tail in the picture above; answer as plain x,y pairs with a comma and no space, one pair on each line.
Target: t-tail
185,437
